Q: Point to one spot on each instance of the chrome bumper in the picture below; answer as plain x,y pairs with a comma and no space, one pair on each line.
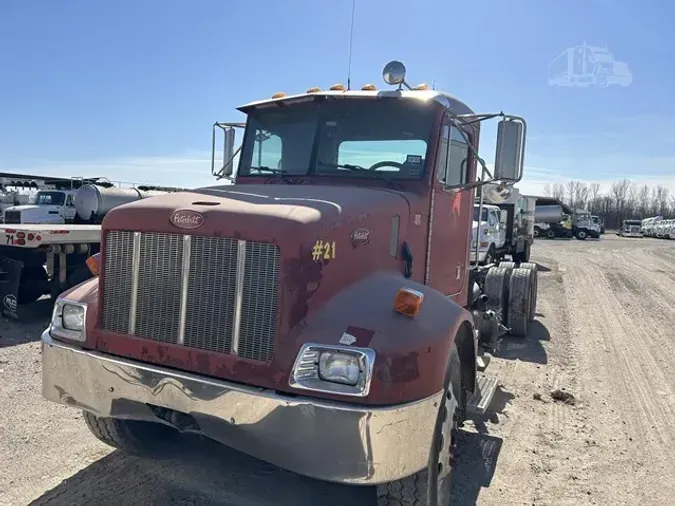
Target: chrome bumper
324,440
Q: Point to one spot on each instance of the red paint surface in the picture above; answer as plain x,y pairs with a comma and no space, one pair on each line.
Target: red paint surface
319,300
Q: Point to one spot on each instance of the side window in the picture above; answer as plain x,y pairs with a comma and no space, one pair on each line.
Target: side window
458,159
453,159
266,151
443,154
69,201
492,219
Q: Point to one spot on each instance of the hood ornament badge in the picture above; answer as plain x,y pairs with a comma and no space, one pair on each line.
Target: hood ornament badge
187,219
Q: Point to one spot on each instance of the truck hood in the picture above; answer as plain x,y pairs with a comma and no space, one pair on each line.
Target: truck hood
279,213
31,213
329,237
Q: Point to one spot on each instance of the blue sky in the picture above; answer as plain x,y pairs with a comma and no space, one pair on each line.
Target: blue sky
129,89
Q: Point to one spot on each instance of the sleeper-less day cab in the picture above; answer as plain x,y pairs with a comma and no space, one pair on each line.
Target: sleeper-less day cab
321,313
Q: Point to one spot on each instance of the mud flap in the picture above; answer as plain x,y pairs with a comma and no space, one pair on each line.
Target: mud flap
10,276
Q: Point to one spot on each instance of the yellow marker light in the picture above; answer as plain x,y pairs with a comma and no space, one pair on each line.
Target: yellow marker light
281,94
337,87
314,90
408,302
423,86
369,87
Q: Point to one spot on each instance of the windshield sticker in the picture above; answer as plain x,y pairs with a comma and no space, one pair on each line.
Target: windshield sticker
416,159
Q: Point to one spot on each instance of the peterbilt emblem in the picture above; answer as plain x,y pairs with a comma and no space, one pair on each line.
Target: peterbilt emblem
185,218
360,236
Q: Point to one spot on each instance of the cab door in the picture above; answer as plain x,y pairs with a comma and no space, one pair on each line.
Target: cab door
451,211
69,210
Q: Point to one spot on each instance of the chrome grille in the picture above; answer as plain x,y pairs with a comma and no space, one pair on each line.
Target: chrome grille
12,217
212,293
117,281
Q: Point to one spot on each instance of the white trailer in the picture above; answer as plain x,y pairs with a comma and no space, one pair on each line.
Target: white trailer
40,259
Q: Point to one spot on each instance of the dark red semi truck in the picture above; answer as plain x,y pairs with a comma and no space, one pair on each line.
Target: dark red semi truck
321,313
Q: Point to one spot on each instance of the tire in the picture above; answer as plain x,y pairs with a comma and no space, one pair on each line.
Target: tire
423,488
523,256
537,232
533,267
491,256
130,436
581,235
550,234
508,265
32,284
496,288
520,301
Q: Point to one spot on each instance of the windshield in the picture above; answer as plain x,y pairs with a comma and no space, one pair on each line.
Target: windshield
475,214
50,198
385,136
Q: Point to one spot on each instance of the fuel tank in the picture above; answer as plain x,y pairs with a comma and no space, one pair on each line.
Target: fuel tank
548,214
93,200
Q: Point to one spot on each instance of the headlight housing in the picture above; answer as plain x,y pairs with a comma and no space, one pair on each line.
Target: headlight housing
336,369
69,320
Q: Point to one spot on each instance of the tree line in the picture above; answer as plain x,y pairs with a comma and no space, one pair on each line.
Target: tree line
624,200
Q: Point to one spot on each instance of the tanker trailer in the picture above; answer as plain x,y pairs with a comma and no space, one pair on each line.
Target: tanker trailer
93,202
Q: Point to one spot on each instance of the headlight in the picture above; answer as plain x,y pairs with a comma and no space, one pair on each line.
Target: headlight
68,320
343,370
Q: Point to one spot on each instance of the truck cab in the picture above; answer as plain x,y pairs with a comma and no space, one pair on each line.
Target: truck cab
327,291
49,207
492,232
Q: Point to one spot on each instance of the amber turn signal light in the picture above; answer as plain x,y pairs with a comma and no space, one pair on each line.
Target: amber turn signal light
408,302
94,264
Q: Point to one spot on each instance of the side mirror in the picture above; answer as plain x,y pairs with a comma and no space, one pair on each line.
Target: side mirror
228,151
510,155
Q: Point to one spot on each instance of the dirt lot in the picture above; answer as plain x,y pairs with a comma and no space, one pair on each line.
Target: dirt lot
604,334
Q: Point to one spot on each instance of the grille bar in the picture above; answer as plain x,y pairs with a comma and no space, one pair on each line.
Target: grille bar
213,293
238,294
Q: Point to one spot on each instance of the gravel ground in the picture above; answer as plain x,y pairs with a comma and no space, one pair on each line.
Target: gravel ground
603,339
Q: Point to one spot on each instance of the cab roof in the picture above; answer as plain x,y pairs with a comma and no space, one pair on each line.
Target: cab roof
448,101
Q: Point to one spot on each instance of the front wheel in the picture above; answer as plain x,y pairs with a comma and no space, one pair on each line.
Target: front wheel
582,235
131,436
432,486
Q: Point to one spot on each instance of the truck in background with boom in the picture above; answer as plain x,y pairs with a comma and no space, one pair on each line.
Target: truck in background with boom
321,313
506,226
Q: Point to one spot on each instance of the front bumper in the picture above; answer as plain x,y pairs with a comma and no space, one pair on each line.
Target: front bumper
330,441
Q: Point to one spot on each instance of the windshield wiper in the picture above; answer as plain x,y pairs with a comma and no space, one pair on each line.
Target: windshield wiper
281,173
358,168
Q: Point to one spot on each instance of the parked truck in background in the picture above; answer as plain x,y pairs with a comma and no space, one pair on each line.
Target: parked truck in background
320,313
649,225
44,245
506,226
600,222
631,228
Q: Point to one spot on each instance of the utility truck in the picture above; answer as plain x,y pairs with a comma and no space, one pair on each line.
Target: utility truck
320,313
506,226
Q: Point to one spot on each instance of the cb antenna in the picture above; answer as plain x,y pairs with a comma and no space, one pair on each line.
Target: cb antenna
351,40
